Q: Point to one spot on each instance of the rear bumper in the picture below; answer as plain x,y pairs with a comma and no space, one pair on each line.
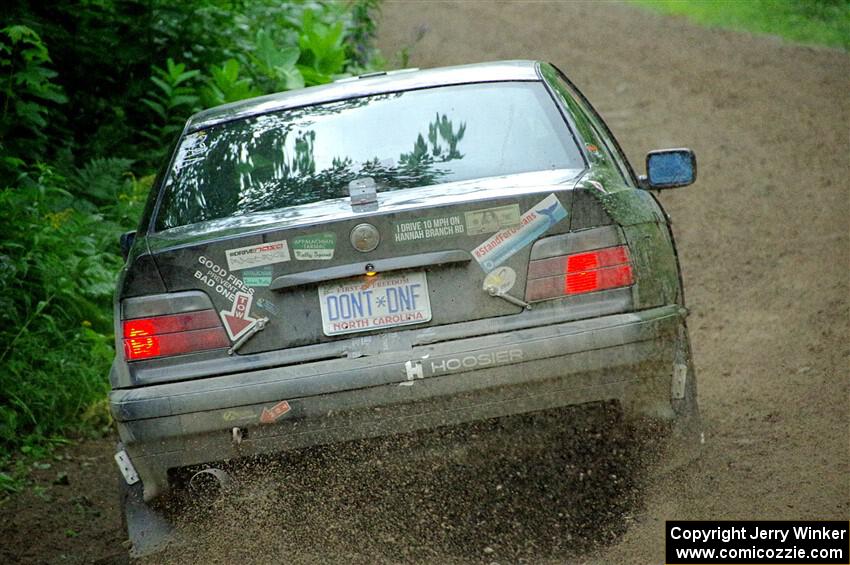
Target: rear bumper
623,357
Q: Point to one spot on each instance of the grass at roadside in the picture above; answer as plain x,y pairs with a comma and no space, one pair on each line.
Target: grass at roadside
822,22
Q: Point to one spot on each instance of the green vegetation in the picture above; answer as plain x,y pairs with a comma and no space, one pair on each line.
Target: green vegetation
92,93
824,22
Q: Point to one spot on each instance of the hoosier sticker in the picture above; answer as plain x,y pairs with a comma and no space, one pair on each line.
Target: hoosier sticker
257,255
534,223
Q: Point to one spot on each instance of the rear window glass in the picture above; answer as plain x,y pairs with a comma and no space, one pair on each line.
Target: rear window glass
401,140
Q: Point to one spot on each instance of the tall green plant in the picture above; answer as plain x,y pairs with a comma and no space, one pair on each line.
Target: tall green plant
57,269
322,49
275,63
225,84
27,91
172,97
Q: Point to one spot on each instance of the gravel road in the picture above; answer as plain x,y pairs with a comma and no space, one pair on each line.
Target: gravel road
763,239
763,234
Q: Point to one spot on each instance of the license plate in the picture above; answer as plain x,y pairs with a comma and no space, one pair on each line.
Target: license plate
372,303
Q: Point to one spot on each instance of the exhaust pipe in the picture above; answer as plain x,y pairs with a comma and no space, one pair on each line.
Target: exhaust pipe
210,482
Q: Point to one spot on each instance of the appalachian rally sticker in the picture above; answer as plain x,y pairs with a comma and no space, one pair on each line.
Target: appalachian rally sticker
317,247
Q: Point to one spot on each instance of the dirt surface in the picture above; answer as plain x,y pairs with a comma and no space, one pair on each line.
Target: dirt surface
763,239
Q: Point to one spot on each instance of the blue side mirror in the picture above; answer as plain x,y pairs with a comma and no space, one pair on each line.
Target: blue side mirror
669,168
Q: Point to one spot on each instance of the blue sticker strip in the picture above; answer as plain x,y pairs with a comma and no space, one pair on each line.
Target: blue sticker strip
534,223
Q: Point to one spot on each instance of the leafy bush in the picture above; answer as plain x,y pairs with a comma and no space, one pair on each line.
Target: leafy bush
226,85
27,89
57,269
172,99
72,181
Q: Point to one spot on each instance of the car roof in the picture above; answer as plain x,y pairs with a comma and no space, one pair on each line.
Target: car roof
366,85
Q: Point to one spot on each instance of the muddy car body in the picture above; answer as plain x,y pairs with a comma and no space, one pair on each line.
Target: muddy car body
391,253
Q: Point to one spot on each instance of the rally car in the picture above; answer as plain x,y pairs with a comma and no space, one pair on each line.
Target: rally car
387,253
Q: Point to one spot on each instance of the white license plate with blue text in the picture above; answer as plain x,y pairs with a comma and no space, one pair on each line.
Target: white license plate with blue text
373,303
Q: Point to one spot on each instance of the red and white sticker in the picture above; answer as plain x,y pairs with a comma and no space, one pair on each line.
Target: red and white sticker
273,414
257,255
237,321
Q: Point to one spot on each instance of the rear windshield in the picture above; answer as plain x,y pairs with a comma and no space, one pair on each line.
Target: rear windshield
401,140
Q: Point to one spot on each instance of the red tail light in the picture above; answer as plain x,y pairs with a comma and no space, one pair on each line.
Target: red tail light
175,334
579,273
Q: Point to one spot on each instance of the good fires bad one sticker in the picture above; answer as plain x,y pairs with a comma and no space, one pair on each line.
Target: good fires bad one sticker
534,223
317,247
257,255
220,280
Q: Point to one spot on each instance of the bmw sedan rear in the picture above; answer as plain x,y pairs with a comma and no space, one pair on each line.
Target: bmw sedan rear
393,253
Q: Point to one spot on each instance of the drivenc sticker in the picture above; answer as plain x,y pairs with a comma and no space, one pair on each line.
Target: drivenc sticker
257,255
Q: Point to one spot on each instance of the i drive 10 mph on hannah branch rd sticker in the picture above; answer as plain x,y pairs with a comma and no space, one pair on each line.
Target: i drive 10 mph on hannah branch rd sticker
381,301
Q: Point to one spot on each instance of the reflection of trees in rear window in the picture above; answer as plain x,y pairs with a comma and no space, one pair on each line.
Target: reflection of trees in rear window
402,140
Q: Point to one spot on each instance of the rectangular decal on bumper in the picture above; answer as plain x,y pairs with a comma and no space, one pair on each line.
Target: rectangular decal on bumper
128,471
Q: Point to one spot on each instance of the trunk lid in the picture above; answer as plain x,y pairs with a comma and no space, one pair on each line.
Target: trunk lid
298,268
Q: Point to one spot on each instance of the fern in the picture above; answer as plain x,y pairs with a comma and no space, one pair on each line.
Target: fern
101,180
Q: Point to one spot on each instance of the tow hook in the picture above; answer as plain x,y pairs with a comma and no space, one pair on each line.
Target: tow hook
492,291
259,326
